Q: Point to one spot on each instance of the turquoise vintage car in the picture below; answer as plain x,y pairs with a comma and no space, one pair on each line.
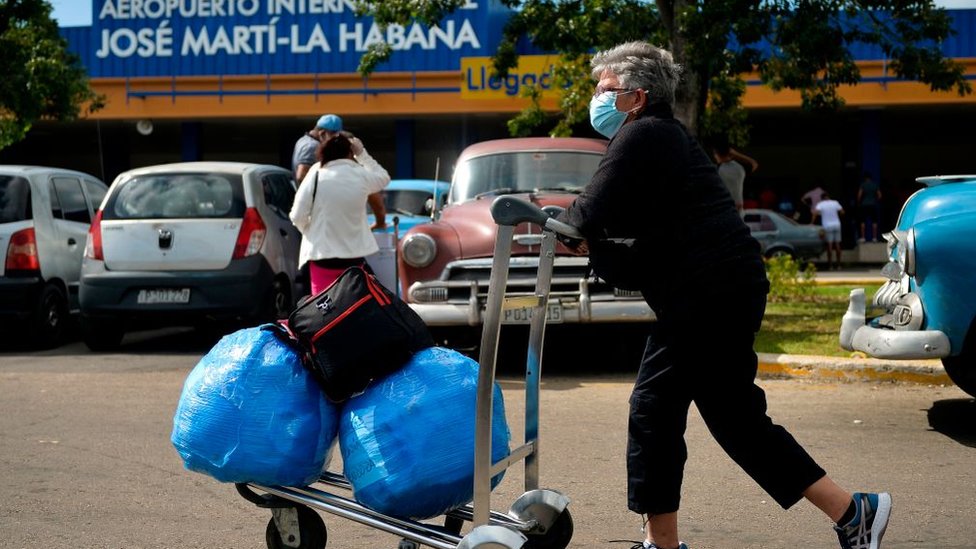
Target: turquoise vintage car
929,299
412,202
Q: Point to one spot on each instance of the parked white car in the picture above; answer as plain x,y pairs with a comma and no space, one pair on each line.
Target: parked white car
182,243
44,219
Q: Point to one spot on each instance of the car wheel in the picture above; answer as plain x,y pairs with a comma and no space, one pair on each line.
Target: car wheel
49,317
101,334
961,368
779,252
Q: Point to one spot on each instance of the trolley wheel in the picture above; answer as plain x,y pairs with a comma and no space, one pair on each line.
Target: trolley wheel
408,544
556,537
311,531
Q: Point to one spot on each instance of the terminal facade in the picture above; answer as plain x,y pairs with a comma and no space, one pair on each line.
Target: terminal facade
243,79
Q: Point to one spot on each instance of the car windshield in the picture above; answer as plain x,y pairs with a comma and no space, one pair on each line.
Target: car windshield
408,202
178,195
509,172
15,203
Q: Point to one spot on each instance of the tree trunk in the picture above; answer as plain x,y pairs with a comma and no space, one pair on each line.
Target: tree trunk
689,99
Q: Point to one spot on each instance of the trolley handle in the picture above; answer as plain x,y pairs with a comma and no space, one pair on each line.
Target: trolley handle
508,210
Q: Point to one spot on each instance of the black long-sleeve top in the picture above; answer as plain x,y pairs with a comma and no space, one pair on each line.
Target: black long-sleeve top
657,185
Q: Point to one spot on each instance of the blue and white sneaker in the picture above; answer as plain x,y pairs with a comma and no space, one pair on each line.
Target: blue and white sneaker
869,523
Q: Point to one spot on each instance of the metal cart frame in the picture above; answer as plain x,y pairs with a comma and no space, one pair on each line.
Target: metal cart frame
539,518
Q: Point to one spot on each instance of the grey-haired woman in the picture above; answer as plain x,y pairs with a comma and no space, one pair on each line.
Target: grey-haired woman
691,255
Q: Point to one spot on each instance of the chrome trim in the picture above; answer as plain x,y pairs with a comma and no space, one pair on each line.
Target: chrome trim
585,303
579,304
415,239
458,314
517,262
908,314
528,239
909,252
887,295
855,335
892,271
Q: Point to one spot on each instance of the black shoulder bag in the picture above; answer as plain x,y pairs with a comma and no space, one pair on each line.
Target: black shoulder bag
355,331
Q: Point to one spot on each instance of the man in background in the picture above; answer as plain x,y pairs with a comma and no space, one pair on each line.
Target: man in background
731,170
303,156
830,211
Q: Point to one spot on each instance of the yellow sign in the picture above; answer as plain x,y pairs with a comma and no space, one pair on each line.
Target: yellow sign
478,82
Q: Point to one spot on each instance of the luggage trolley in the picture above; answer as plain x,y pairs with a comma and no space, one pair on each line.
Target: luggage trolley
539,518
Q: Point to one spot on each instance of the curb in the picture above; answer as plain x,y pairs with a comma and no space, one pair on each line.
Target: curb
924,372
873,282
854,368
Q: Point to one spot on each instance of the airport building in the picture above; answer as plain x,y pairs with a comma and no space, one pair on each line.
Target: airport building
243,79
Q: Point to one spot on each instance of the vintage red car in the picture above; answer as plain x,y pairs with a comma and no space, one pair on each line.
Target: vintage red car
444,266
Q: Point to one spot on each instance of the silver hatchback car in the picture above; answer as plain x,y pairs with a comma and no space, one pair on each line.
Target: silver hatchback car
44,218
182,243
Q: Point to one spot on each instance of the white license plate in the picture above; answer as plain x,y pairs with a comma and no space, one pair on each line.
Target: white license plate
523,315
163,295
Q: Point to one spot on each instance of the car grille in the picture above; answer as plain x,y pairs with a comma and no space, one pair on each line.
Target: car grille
465,276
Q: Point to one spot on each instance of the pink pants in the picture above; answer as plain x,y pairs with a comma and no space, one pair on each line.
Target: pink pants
322,277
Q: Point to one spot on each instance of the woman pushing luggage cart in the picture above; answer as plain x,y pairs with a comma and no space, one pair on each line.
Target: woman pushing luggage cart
539,518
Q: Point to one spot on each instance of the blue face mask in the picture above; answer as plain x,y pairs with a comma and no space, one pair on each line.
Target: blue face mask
604,116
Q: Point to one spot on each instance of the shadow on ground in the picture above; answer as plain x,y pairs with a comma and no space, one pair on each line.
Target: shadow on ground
956,419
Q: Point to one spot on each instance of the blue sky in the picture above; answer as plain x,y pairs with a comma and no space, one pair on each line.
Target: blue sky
77,13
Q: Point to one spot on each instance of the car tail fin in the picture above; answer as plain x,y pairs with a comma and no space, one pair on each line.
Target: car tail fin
251,237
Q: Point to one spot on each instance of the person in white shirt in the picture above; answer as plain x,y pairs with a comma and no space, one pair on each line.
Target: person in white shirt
830,210
330,209
731,168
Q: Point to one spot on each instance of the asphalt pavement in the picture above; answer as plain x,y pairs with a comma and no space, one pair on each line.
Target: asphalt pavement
855,367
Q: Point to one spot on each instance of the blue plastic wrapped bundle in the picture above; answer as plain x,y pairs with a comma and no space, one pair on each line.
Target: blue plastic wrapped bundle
250,412
407,443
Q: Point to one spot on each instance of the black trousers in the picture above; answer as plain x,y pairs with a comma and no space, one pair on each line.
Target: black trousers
701,351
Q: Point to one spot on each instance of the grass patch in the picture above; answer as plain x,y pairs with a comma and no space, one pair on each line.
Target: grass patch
807,326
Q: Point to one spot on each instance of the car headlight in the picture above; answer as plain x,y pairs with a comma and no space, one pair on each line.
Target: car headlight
418,250
906,253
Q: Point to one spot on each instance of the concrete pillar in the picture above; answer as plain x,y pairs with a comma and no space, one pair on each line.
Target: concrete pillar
403,130
191,148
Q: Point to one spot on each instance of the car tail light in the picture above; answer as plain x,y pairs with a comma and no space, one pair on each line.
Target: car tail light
93,248
251,237
22,252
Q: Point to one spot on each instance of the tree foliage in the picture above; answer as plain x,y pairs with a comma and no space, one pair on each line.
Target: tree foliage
803,45
41,79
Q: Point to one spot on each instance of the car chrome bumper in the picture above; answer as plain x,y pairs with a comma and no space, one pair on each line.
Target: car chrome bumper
456,314
856,335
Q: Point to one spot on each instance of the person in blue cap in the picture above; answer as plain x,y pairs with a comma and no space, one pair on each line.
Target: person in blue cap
303,158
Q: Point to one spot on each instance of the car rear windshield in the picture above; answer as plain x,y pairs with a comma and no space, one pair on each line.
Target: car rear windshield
524,171
177,195
15,202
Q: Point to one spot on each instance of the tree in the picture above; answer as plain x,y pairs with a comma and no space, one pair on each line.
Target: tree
41,79
802,45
